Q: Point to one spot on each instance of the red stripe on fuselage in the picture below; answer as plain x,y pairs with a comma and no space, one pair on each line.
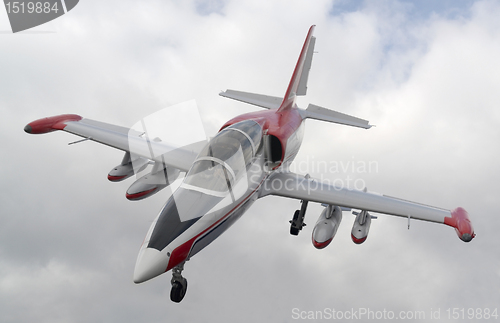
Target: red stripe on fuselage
181,252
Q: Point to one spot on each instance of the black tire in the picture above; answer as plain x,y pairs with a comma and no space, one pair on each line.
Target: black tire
178,291
293,230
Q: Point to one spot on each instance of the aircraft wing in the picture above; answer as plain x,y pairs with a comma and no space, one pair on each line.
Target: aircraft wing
121,138
291,185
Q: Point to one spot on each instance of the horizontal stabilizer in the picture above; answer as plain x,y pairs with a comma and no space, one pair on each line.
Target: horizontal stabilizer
264,101
319,113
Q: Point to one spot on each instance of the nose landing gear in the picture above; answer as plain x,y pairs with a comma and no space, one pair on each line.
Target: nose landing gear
179,284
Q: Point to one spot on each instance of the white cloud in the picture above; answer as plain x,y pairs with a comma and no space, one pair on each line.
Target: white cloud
429,83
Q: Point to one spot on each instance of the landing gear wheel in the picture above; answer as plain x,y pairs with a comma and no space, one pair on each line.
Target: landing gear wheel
179,284
293,229
178,290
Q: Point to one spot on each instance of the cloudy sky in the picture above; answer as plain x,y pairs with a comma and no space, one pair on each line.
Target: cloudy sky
426,74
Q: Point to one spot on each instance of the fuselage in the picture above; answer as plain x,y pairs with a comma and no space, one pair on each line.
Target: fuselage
222,184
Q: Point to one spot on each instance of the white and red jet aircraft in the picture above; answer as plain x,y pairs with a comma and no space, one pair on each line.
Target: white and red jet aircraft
248,159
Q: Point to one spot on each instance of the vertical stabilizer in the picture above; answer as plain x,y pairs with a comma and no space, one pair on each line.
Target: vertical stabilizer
298,83
302,89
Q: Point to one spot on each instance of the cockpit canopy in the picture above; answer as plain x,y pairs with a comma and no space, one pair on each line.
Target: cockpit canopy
225,159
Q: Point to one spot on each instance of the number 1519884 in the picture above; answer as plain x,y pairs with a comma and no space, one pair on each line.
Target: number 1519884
472,313
31,7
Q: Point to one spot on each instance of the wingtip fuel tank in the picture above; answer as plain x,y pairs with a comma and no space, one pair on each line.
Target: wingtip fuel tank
460,221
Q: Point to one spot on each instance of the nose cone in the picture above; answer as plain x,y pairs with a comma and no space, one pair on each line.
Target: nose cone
150,263
28,128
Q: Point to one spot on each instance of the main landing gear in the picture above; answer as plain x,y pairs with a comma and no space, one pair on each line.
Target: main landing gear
179,284
297,223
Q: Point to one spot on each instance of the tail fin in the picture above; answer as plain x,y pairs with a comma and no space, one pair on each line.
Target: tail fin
298,83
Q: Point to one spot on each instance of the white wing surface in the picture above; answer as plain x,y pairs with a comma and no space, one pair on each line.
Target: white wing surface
119,137
299,187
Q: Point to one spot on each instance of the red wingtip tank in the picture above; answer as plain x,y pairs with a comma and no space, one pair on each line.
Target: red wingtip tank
460,221
50,124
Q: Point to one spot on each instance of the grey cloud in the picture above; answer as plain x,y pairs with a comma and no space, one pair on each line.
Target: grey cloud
69,238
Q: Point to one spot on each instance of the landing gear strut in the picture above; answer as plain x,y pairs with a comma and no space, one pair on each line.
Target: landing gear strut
297,223
179,284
